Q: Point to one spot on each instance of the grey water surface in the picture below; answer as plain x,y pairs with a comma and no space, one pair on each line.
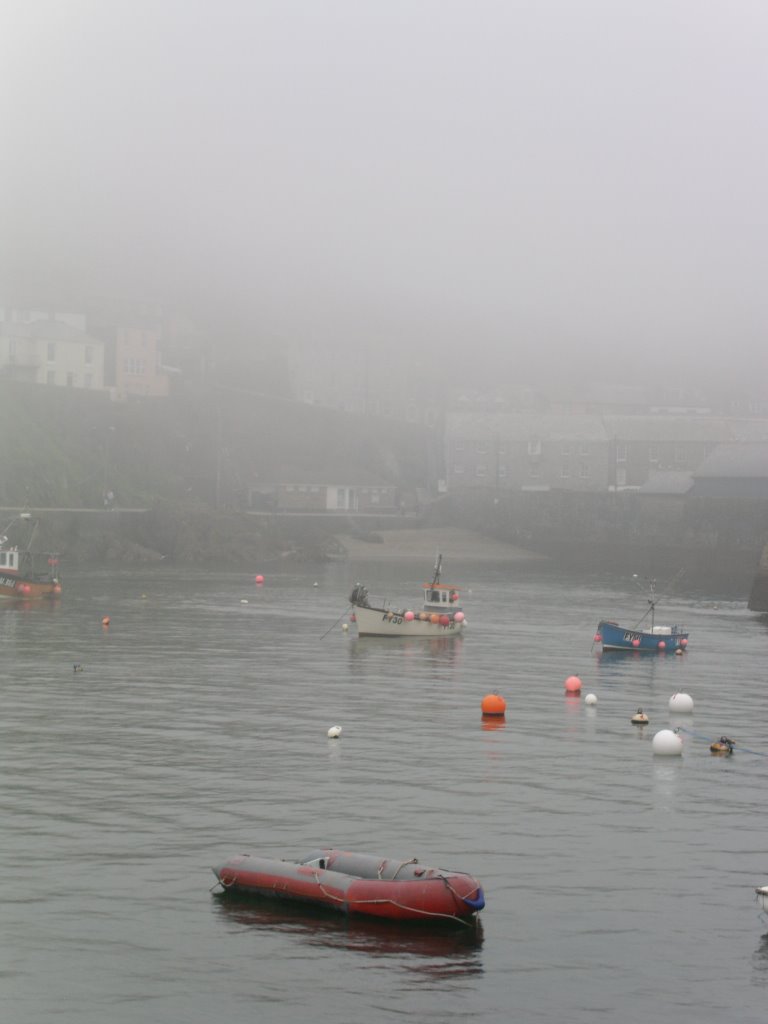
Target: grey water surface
619,885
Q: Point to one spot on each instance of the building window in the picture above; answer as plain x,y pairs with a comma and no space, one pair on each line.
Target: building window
51,351
458,469
502,471
621,453
482,448
679,455
621,477
534,447
583,449
566,450
88,355
565,471
534,469
584,471
480,470
653,453
458,446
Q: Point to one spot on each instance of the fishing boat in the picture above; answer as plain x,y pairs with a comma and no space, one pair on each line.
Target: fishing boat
644,635
21,575
357,883
440,613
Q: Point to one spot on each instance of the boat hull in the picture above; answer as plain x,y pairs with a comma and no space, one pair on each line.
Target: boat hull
354,883
383,622
20,589
618,638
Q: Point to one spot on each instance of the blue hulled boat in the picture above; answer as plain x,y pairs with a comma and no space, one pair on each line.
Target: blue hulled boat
644,636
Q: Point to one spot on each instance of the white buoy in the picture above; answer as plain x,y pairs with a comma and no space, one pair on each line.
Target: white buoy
668,743
681,702
315,584
334,732
344,627
590,699
243,600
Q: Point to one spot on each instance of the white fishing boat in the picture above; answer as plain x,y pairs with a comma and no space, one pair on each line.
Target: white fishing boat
439,613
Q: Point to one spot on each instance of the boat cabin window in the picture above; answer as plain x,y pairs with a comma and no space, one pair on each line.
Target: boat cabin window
2,558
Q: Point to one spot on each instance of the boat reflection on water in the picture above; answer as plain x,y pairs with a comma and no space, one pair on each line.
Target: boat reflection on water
437,647
459,941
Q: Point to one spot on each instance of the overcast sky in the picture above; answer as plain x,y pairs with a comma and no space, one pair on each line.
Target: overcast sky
557,179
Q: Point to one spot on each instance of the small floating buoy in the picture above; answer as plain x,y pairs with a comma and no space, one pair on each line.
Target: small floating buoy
662,645
636,642
678,650
334,732
105,621
667,743
597,638
458,617
722,746
681,702
493,705
143,597
243,600
590,699
639,718
684,642
259,580
573,684
344,627
409,616
315,584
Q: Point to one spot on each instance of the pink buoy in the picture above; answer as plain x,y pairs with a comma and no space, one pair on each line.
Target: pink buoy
408,616
597,638
635,642
353,617
662,645
458,617
573,684
684,642
259,580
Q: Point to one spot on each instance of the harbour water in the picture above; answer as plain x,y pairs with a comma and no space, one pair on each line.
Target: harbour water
619,885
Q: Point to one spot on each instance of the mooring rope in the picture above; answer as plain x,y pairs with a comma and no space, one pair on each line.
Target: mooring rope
709,739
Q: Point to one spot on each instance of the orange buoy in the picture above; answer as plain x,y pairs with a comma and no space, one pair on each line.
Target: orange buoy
434,619
573,684
493,704
105,621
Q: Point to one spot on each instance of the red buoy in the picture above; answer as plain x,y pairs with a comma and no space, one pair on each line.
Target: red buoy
493,704
573,684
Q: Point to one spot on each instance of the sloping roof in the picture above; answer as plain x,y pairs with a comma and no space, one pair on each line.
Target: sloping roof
478,426
735,462
705,429
672,482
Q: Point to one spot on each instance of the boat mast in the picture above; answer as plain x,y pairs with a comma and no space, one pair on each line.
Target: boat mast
652,600
438,563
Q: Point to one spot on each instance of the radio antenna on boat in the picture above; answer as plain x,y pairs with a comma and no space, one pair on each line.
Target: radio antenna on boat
438,565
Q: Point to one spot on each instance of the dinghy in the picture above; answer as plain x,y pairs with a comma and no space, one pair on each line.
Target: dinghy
357,883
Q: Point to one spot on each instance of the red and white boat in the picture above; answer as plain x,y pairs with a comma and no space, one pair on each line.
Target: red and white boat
21,576
357,883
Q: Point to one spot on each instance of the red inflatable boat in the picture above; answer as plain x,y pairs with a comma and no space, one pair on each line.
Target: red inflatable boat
357,883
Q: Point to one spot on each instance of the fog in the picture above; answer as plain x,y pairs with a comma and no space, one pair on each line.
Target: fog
551,184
